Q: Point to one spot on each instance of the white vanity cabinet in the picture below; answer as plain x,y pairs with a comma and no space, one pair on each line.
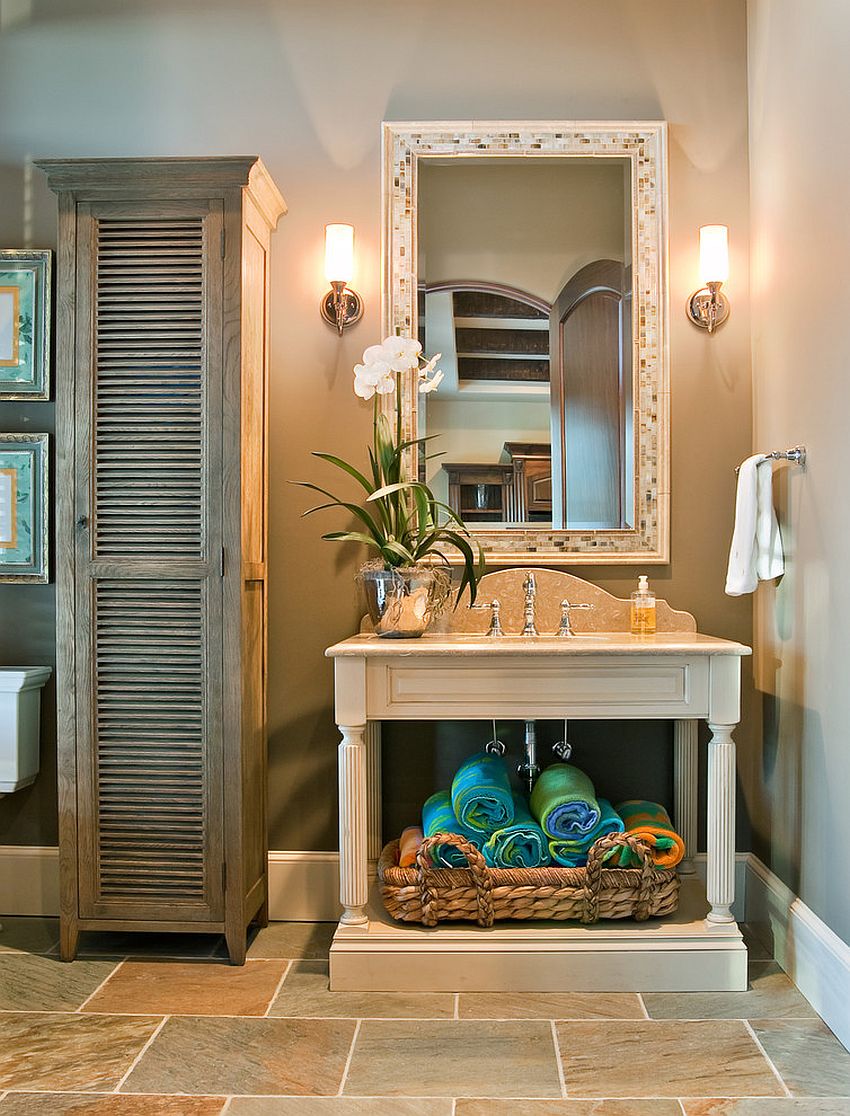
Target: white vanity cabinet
679,676
20,725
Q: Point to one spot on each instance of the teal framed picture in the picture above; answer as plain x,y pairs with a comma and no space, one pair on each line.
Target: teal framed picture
25,285
24,507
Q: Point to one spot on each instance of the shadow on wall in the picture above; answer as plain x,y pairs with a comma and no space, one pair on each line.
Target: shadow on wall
603,749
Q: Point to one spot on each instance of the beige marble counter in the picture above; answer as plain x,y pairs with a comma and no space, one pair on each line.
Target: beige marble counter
595,643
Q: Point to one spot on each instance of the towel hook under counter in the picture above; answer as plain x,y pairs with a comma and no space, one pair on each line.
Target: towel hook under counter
797,454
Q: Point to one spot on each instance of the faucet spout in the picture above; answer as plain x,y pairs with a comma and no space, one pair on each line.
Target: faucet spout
530,587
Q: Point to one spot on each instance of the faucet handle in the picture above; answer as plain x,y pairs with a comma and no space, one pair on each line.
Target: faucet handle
495,607
565,628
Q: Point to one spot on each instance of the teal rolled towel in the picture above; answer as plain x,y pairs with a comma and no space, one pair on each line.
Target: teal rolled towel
564,803
522,844
482,799
438,817
572,853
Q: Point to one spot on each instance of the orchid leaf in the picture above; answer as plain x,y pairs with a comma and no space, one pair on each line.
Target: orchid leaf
346,468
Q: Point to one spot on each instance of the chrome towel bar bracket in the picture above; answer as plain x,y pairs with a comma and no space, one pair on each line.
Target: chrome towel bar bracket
797,455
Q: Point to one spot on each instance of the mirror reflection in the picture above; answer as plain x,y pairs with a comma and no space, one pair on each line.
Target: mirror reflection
524,273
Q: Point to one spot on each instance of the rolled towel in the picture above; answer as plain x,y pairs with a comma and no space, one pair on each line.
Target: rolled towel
408,846
650,821
438,817
572,853
481,794
564,802
522,844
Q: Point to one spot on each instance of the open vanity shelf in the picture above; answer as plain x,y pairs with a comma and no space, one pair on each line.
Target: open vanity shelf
676,675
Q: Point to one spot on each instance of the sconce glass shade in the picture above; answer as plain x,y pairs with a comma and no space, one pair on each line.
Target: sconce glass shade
714,253
339,253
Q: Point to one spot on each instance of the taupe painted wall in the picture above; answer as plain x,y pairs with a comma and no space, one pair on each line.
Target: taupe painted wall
797,787
306,85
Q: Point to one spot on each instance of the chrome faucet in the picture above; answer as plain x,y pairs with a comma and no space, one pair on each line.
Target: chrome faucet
566,629
495,607
530,587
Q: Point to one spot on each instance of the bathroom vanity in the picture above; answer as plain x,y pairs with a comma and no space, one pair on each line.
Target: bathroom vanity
676,675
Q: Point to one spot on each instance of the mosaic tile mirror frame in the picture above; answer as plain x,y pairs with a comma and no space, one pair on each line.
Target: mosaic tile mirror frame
642,147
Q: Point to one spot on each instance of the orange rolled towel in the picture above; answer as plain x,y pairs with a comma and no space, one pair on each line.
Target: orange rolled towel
408,846
650,821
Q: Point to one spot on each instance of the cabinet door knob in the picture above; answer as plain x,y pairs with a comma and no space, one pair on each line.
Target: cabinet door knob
83,521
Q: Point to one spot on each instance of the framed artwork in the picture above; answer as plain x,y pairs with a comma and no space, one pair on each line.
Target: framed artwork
23,507
25,324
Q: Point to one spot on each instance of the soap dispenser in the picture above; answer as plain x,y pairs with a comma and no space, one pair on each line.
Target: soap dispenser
643,608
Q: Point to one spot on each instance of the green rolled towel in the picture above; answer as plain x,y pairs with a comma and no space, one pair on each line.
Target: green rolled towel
572,853
481,794
522,844
438,817
564,803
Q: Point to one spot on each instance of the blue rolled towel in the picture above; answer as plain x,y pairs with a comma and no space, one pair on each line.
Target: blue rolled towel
572,853
522,844
564,802
438,817
482,799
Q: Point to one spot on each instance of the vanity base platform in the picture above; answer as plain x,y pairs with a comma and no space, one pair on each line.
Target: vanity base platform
680,953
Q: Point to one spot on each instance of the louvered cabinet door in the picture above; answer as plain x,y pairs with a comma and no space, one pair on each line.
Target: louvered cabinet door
148,561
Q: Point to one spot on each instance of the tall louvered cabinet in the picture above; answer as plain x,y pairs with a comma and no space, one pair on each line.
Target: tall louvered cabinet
162,386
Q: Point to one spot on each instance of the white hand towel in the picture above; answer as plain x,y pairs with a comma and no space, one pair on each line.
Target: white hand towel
756,551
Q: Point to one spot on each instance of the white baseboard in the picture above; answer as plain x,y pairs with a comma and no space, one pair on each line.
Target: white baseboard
29,880
303,886
812,955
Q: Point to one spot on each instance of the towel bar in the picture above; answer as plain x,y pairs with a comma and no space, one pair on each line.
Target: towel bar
797,455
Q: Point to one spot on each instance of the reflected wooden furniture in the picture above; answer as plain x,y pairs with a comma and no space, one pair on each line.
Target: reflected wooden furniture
676,675
161,536
481,493
512,492
532,480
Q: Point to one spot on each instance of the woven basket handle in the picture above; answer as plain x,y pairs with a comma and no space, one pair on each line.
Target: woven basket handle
642,850
480,873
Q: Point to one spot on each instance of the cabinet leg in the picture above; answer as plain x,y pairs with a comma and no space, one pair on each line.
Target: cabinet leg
262,919
685,782
69,936
236,938
720,874
373,790
353,866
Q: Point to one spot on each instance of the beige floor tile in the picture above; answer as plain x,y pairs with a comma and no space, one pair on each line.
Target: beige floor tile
666,1058
69,1052
771,995
489,1107
760,1106
305,994
190,988
811,1060
253,1056
29,935
338,1106
35,982
294,940
447,1058
550,1005
85,1104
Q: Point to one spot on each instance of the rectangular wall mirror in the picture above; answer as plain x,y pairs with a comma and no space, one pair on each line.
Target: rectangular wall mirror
533,257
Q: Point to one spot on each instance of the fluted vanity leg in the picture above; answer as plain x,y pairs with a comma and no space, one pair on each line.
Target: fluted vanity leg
720,876
374,839
685,776
353,873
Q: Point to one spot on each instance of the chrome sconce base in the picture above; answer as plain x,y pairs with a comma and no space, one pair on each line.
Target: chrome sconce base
341,307
708,308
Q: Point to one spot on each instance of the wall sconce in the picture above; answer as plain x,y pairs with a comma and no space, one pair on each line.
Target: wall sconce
341,306
708,307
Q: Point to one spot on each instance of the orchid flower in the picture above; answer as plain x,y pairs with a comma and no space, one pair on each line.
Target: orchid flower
432,384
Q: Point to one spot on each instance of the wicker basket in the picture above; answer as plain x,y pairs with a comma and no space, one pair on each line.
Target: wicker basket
429,895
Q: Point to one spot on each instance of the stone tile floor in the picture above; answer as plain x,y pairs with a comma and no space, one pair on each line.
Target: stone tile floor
164,1025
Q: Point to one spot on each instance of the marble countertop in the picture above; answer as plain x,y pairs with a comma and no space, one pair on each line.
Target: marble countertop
596,643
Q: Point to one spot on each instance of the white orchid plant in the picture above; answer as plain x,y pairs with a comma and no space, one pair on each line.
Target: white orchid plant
403,520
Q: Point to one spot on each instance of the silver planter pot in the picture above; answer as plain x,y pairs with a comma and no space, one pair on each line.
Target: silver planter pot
403,601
